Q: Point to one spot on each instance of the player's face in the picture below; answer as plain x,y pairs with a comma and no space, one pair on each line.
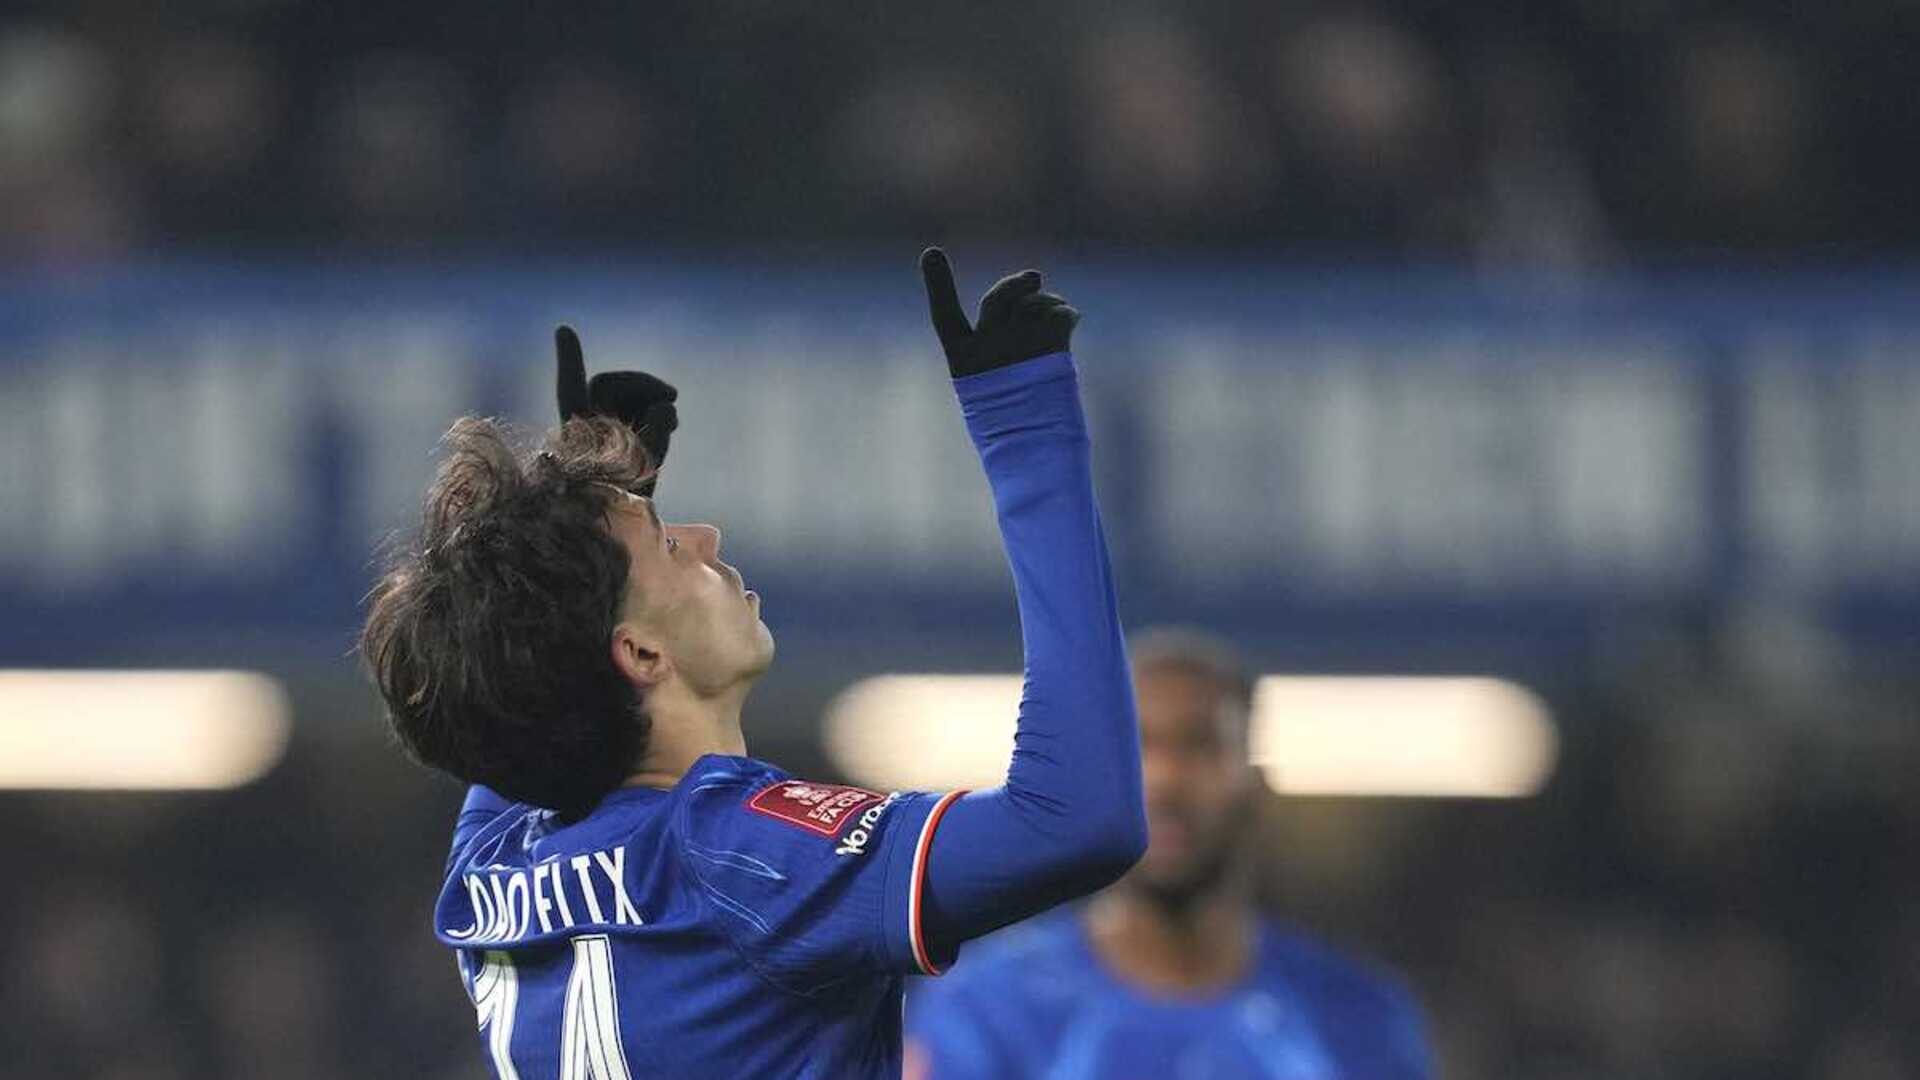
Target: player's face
706,620
1199,784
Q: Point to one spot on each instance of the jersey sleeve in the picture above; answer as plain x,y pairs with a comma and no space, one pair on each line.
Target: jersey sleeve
812,883
1070,818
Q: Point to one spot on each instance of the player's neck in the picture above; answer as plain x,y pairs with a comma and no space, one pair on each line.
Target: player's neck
686,727
1206,944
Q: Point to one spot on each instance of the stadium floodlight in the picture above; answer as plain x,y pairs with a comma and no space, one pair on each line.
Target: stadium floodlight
1433,736
926,732
1459,737
139,730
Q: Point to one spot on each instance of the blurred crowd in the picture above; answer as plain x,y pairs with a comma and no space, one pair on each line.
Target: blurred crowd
1718,884
1565,133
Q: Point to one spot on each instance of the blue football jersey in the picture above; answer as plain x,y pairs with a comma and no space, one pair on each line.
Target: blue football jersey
741,924
1035,1002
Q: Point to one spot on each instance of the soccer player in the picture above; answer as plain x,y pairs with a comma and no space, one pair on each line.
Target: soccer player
1173,972
628,893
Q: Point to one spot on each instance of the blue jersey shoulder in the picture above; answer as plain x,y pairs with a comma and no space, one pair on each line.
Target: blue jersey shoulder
811,882
519,875
1307,959
725,923
1340,981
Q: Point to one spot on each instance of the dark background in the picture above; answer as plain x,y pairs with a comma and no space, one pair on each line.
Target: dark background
326,229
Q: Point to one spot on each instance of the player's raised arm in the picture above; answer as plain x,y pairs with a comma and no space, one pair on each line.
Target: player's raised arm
1069,819
654,899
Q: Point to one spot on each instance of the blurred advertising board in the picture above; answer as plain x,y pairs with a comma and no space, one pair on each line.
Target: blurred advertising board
200,459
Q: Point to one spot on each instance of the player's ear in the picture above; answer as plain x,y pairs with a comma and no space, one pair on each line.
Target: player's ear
639,656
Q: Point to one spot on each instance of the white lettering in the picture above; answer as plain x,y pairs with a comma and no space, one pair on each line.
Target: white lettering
517,887
855,842
560,894
1829,496
482,908
614,868
1363,466
541,905
502,927
508,903
581,864
394,416
911,507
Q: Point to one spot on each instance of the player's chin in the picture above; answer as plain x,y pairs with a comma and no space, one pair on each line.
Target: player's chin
1179,871
763,646
1159,867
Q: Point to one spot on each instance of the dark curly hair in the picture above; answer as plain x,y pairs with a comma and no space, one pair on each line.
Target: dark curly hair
488,633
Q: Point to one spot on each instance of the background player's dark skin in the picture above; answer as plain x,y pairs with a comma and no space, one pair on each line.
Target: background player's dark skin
1173,969
1183,921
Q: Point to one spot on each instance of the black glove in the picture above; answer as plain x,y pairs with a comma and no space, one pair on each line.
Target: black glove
641,401
1017,321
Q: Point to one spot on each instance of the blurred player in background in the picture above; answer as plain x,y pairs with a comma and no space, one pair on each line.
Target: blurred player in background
629,894
1173,972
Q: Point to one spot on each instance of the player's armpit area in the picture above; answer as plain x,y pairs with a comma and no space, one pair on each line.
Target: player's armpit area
994,861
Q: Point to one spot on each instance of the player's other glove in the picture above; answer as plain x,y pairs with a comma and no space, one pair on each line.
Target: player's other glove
1017,321
641,401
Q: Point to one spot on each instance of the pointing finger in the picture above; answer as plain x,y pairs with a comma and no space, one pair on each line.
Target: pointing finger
943,302
571,381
